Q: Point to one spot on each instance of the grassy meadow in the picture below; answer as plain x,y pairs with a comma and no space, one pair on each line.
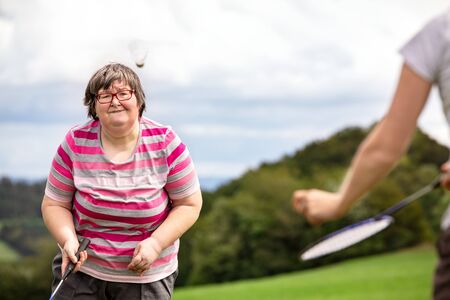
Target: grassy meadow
404,275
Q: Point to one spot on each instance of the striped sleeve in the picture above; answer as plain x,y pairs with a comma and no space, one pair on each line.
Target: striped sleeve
60,184
182,180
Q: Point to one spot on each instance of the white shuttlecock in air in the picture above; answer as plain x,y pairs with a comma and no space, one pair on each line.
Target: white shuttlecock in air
139,51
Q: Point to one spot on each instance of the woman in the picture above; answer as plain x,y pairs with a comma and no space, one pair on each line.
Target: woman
129,185
426,62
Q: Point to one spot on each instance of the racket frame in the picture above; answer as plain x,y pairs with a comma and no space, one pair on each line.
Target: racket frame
384,215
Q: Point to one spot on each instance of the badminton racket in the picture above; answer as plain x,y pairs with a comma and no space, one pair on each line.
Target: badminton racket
357,232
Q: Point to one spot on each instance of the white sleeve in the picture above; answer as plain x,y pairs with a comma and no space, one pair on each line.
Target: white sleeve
424,53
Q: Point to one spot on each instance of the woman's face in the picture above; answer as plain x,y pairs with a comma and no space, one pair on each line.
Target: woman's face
117,115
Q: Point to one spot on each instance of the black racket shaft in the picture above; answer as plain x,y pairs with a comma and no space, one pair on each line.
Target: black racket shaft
411,198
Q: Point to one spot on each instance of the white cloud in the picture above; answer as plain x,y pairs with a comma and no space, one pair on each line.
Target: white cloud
240,73
261,47
6,34
303,133
220,169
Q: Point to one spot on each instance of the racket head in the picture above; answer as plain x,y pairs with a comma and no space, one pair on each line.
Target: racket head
346,237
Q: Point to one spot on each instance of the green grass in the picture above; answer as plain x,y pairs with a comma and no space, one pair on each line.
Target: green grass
7,253
402,275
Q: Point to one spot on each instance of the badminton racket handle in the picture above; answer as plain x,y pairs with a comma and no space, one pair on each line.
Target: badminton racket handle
84,244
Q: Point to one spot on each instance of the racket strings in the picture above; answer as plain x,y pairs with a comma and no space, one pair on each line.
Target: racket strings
347,237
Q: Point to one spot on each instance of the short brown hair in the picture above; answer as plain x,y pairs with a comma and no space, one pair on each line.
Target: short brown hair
104,77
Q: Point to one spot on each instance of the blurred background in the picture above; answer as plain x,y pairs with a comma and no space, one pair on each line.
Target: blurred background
269,96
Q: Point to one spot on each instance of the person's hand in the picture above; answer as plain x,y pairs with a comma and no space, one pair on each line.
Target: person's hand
445,179
145,254
317,206
68,254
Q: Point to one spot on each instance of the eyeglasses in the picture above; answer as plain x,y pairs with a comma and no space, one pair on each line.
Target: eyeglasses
106,98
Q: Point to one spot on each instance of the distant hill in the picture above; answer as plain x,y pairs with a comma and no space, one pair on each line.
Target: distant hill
20,198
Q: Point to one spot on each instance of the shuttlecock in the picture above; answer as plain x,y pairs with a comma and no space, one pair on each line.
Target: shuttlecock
139,51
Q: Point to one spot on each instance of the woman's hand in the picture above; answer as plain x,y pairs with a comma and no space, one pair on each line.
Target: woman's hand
69,250
145,254
318,206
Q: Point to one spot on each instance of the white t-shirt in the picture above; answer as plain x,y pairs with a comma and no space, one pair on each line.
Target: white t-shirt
428,54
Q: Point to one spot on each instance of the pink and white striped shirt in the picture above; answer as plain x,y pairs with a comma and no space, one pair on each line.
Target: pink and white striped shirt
117,205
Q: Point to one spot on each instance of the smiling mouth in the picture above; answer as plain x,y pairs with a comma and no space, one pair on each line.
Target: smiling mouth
116,111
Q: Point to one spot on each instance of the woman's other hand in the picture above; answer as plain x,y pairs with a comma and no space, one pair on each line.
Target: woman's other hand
145,254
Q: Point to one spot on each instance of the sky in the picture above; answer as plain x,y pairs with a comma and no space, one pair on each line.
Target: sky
241,82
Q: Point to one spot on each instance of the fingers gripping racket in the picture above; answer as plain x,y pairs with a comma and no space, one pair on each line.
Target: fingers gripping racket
84,244
357,232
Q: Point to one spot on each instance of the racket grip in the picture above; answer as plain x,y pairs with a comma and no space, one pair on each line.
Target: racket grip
84,244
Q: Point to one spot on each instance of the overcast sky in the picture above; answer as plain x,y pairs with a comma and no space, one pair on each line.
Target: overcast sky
240,81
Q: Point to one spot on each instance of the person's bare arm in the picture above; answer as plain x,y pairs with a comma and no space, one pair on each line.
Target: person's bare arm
58,219
376,155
